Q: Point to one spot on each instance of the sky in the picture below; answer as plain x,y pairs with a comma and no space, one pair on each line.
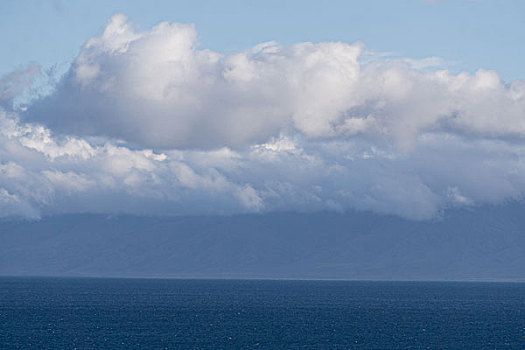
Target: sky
406,108
468,35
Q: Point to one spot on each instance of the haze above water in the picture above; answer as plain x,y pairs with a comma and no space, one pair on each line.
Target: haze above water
482,244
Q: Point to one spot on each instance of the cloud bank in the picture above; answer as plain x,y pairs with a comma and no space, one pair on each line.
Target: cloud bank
150,123
158,89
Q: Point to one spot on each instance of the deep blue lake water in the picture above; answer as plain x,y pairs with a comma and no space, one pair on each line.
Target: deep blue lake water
86,313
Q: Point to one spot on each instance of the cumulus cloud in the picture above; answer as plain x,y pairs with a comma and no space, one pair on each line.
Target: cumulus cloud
150,123
159,89
50,175
41,174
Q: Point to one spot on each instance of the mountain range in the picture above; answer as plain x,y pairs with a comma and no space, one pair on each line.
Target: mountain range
486,243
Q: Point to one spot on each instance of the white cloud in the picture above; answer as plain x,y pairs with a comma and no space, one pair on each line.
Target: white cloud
149,123
41,174
158,89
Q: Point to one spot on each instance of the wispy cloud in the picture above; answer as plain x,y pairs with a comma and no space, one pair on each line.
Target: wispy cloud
14,83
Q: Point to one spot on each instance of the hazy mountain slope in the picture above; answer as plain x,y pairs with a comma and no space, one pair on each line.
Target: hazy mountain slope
488,243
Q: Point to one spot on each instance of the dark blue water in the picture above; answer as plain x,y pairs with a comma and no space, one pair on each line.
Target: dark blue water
55,313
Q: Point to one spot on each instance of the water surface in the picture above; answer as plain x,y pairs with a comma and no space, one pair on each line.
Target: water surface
85,313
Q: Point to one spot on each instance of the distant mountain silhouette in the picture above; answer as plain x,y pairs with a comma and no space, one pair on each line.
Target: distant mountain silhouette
482,244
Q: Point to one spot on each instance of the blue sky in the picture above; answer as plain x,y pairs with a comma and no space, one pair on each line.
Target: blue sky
407,108
467,34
